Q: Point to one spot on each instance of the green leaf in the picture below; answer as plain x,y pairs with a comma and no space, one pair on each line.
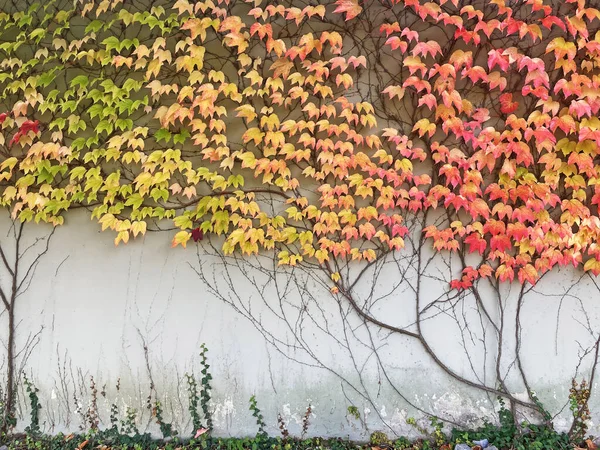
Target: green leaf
52,95
124,124
94,26
25,20
80,80
104,125
71,105
135,200
62,16
91,141
95,110
37,34
157,194
33,8
77,173
235,180
78,143
95,95
183,222
180,138
125,105
59,123
46,78
128,43
132,84
44,176
162,134
111,43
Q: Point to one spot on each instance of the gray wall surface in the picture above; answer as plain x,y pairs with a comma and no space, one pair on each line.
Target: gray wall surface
139,312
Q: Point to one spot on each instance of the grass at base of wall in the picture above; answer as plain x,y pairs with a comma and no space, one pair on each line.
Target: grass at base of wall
534,438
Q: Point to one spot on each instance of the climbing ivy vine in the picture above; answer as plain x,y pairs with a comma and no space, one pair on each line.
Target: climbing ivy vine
317,130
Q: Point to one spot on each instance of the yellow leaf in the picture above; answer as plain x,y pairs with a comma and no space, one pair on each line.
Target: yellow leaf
122,236
181,238
138,227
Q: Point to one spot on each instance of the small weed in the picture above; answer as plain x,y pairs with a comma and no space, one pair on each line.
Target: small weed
353,411
306,421
165,428
128,426
91,414
205,382
34,403
379,438
282,427
579,396
193,401
260,421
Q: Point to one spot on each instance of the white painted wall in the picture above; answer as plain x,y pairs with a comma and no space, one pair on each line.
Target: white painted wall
95,305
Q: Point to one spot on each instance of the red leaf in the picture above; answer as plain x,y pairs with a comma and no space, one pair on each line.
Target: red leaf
476,243
197,234
507,106
29,126
501,243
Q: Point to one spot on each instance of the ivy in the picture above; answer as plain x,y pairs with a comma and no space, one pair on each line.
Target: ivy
502,141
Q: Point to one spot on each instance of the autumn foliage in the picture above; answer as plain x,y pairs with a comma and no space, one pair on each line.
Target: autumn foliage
318,130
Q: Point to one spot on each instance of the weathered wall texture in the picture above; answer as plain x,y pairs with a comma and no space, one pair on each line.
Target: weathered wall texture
91,309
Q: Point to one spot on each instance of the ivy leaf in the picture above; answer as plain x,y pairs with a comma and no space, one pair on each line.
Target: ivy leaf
162,134
94,26
181,137
181,238
104,126
79,80
350,7
197,234
111,43
37,34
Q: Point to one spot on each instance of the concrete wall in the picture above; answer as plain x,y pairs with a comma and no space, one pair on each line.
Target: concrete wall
91,309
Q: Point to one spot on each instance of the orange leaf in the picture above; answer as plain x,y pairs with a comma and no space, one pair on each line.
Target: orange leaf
350,7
